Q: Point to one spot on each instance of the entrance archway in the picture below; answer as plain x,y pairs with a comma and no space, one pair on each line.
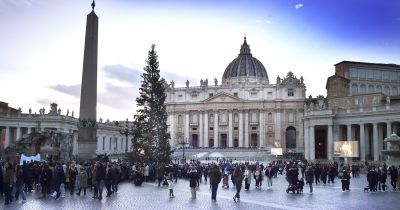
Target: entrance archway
211,143
224,141
195,141
321,135
254,140
290,137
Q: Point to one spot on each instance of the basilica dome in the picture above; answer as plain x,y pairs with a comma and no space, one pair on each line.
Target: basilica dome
245,66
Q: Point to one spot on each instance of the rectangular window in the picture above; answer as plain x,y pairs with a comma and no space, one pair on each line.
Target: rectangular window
353,73
235,94
115,144
253,128
109,146
269,95
235,128
210,95
378,75
194,129
122,143
104,143
290,117
211,128
290,92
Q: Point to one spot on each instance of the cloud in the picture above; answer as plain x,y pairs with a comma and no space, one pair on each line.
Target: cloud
73,90
298,6
118,97
263,21
44,102
123,73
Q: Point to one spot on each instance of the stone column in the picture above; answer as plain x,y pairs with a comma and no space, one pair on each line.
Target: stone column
246,129
330,142
306,140
348,133
7,140
362,142
216,133
186,126
18,134
230,130
173,129
375,140
388,129
206,129
262,132
241,128
278,130
201,129
312,143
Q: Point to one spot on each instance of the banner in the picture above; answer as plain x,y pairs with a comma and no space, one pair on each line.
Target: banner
345,149
28,159
276,151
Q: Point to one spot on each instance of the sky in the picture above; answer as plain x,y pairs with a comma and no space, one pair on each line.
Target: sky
42,43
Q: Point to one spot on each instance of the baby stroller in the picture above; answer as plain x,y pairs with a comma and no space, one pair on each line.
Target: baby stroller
225,181
138,178
293,181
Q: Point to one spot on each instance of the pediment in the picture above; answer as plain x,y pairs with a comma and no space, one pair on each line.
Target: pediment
222,97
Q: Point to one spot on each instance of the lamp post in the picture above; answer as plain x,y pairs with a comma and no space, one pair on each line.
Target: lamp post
125,131
183,143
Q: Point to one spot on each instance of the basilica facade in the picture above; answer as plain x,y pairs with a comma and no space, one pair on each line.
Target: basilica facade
245,110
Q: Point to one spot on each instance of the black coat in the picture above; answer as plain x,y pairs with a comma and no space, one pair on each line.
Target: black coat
45,177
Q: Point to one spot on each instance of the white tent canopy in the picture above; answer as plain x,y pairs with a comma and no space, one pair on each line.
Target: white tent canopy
216,155
29,158
200,155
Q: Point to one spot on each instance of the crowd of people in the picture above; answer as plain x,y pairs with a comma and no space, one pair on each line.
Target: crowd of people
55,179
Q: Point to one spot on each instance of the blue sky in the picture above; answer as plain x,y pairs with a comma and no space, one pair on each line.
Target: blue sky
41,44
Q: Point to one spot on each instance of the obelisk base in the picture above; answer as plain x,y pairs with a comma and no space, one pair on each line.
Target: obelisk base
87,143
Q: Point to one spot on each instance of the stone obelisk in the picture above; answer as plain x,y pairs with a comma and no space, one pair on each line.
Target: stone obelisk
87,115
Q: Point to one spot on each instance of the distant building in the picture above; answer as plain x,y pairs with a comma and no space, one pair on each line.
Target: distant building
15,124
362,104
244,111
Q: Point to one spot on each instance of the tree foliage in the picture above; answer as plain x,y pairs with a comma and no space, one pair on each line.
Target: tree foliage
150,132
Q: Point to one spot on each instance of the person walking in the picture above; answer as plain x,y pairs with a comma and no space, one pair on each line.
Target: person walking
83,182
59,179
247,178
45,180
269,173
238,175
257,177
8,177
19,183
100,177
393,176
193,177
310,177
94,183
345,181
72,178
215,178
170,184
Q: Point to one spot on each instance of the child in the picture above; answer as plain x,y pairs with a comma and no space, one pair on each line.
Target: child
170,185
301,184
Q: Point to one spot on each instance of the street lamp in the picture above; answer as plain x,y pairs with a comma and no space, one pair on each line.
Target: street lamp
183,143
125,131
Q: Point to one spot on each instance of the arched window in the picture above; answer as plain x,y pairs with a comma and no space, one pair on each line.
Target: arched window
354,89
270,117
180,121
363,89
378,89
371,89
386,91
395,91
290,137
236,118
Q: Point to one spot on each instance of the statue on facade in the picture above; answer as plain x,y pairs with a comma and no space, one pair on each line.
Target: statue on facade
101,120
301,80
172,84
72,113
206,83
312,106
67,112
19,110
387,100
278,80
30,111
187,83
201,82
215,81
59,111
